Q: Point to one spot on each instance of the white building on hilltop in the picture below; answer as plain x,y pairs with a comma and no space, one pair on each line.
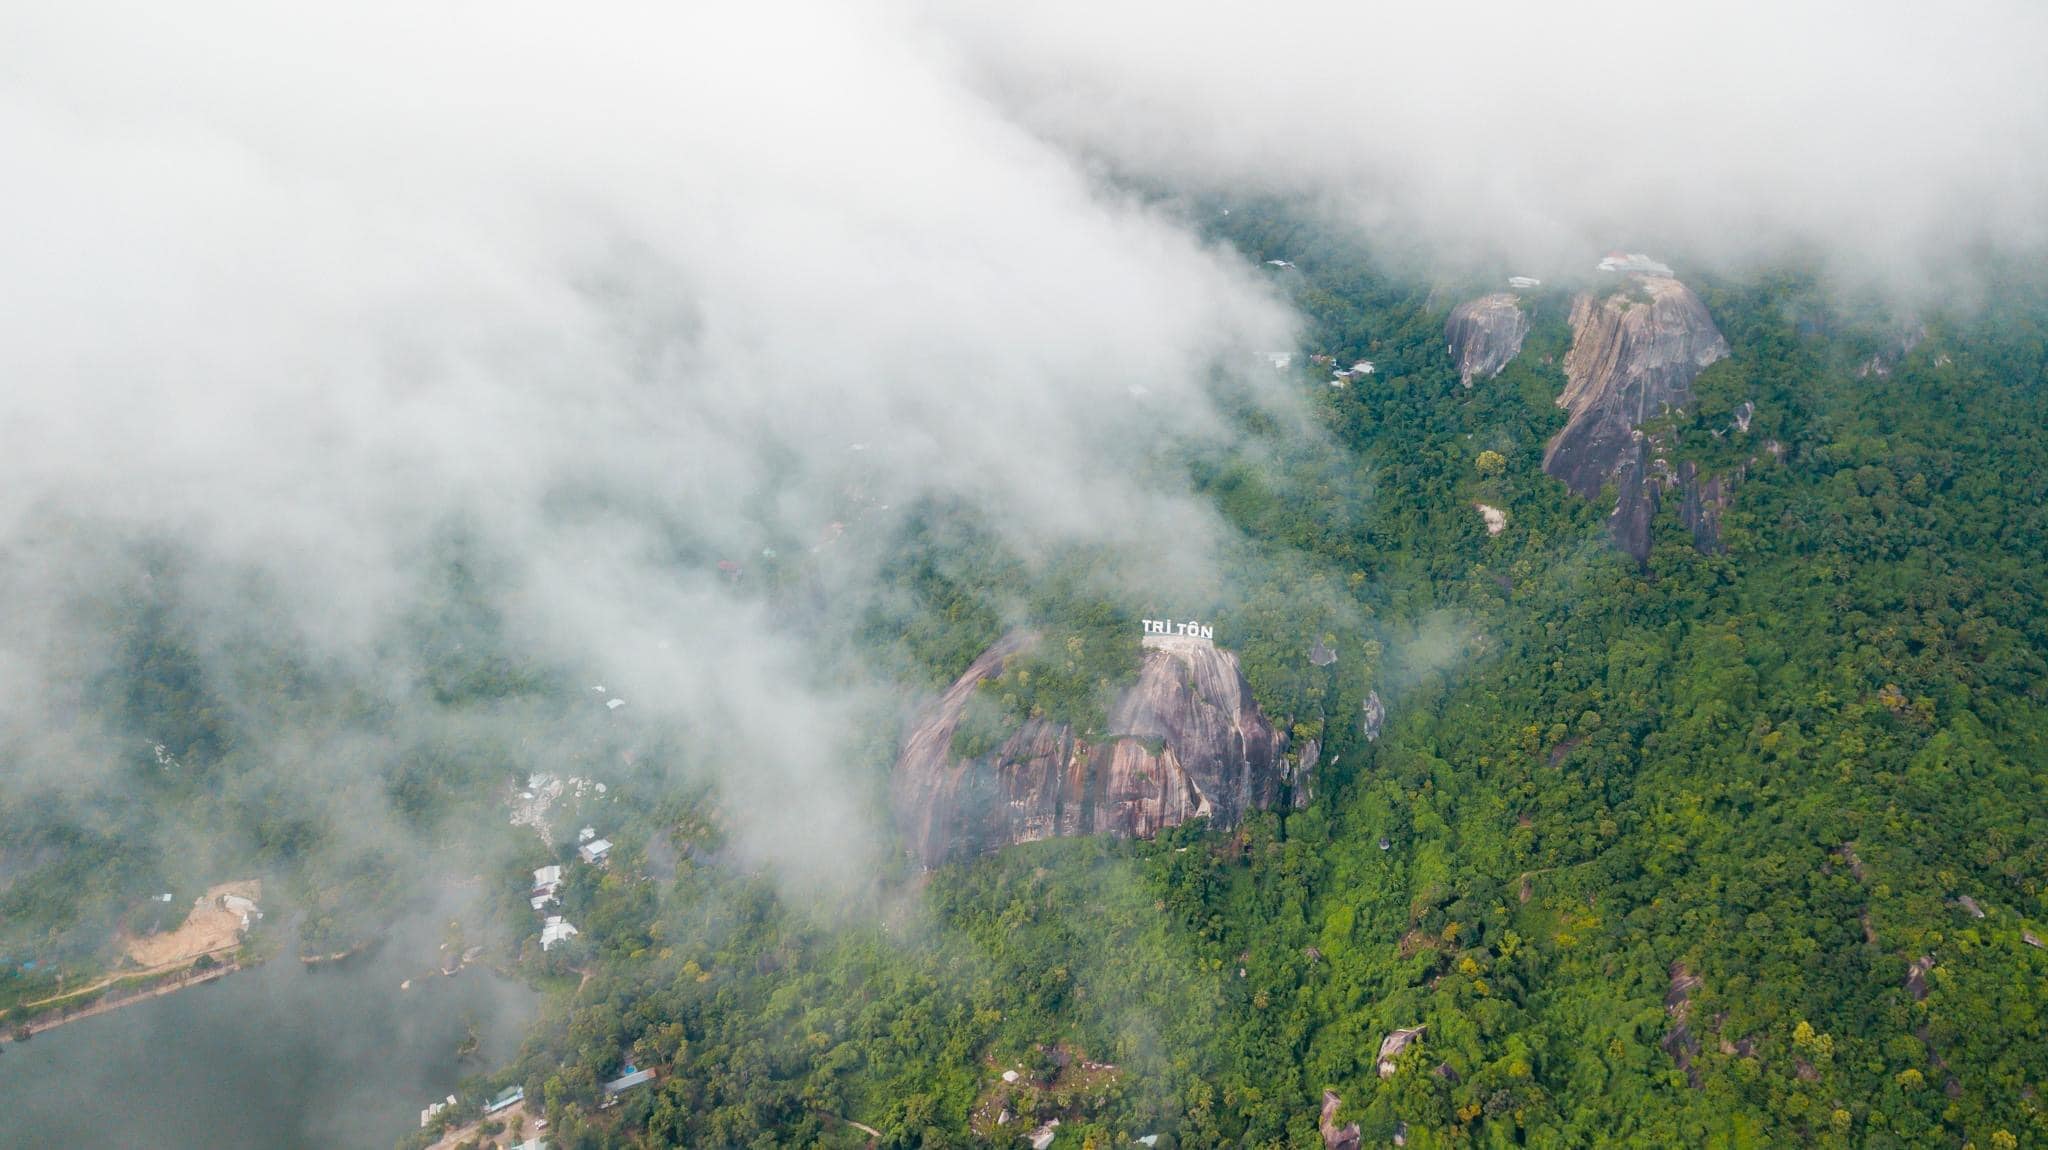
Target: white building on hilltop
1633,263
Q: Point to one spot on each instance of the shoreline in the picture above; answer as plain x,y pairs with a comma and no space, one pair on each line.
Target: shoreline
353,950
188,977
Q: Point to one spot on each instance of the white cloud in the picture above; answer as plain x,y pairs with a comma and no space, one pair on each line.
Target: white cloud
1884,135
296,287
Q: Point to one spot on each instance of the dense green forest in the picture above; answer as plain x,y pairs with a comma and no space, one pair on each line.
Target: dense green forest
1664,843
1740,848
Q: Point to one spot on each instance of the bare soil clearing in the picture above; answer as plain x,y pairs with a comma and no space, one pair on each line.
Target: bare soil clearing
209,929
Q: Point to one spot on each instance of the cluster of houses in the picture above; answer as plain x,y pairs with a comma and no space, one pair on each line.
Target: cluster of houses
547,885
1342,377
504,1100
1363,367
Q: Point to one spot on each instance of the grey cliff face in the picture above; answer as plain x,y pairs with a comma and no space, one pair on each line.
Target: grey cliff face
1485,334
1631,357
1703,499
1185,741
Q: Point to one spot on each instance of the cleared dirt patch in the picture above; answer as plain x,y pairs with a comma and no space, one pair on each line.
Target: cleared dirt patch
209,929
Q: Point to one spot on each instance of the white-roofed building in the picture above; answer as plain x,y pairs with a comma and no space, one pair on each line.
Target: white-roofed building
556,930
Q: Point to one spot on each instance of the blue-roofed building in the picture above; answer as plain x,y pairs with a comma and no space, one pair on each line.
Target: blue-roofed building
512,1095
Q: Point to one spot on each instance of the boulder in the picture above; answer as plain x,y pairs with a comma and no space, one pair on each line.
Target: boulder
1374,717
1335,1137
1392,1046
1485,334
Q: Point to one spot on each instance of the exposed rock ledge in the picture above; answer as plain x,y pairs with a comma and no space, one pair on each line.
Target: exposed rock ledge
1185,741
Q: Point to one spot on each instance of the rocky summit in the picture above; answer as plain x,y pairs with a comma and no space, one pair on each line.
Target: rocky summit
1185,741
1633,354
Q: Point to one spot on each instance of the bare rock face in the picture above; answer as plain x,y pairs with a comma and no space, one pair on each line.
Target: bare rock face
1336,1137
1373,717
1633,354
1703,499
1678,1039
1485,334
1185,741
1916,976
1393,1044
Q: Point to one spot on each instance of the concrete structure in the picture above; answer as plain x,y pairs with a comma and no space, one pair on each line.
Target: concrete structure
594,851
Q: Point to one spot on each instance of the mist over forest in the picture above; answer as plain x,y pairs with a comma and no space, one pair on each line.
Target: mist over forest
1599,451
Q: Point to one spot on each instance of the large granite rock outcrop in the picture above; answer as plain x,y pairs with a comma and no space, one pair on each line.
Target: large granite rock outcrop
1634,354
1485,334
1184,741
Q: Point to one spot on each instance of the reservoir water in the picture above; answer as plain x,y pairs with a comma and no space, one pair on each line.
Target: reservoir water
278,1056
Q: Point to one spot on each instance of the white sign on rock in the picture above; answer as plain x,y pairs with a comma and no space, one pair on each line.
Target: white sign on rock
1191,629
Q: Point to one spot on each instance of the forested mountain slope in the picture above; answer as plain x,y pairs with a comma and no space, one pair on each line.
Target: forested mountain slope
1735,847
1742,844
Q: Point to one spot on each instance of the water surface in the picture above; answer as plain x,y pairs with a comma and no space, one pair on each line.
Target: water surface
277,1056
